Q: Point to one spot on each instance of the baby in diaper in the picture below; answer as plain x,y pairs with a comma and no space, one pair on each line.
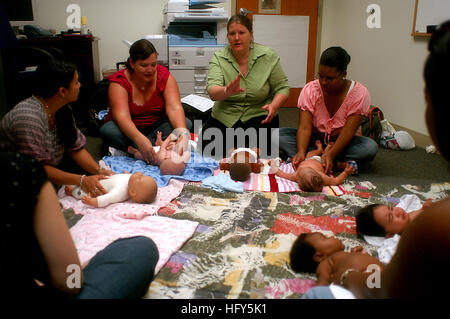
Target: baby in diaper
310,174
172,153
241,162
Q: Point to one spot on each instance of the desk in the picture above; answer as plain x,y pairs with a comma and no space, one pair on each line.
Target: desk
81,50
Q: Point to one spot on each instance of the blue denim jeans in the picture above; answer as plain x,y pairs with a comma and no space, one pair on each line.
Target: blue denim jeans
361,149
113,136
123,270
318,292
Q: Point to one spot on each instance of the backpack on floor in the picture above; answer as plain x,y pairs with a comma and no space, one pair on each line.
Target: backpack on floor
371,126
97,103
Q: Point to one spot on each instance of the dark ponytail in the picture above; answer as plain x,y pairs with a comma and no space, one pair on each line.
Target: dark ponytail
335,57
140,50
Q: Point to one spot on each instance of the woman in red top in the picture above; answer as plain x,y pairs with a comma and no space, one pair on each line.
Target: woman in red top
144,98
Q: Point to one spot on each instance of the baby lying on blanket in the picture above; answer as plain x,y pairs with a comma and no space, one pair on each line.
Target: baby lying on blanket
172,156
310,174
313,252
120,187
384,220
241,162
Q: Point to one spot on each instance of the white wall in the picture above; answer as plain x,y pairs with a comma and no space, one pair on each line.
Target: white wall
388,61
110,20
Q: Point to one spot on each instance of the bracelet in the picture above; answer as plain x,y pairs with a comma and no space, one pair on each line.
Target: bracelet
81,181
345,274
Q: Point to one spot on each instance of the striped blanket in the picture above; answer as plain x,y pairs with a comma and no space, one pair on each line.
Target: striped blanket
271,183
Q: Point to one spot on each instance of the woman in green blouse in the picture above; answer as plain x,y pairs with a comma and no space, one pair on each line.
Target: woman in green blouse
248,85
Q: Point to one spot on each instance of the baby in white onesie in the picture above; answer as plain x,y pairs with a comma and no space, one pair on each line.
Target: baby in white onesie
120,187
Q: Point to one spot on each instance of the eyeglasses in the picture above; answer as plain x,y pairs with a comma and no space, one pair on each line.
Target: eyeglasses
328,78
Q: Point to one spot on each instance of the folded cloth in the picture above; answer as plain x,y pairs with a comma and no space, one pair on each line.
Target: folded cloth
197,169
388,246
223,182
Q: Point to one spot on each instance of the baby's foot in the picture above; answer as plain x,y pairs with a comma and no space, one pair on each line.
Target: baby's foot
319,146
159,140
68,189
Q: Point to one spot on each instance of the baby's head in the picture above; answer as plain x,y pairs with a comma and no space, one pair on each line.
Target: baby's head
142,188
309,180
309,249
240,171
381,220
170,166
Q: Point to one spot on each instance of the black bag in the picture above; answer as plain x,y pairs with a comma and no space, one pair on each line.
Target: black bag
97,101
371,126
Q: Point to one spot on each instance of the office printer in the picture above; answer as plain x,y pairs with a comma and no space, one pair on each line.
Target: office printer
195,31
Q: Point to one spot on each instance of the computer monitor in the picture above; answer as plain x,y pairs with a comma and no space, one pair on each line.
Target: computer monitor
20,12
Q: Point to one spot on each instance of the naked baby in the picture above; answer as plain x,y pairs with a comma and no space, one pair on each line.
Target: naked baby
314,252
172,155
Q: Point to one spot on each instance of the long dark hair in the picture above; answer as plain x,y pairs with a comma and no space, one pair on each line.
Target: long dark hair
436,72
51,76
140,50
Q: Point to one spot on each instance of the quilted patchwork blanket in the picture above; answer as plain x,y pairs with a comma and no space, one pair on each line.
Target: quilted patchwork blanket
238,233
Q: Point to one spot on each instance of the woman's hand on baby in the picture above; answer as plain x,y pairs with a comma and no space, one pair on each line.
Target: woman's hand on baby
298,158
148,152
327,163
92,186
90,201
104,171
234,87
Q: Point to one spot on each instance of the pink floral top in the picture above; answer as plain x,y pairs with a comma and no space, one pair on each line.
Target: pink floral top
311,99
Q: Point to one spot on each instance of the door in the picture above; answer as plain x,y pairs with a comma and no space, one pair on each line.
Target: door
308,8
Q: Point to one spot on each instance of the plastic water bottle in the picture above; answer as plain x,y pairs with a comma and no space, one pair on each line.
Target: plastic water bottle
258,286
83,30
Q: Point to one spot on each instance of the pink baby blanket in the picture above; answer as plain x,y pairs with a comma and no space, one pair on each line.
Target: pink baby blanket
127,209
97,230
101,226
